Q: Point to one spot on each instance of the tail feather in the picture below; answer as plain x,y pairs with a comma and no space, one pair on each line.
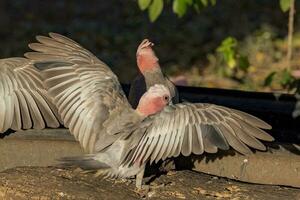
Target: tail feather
84,162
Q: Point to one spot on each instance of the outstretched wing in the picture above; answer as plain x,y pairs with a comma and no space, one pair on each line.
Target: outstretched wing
196,128
84,89
24,102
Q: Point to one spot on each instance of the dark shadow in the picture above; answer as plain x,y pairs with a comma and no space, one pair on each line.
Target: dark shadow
7,133
188,163
288,147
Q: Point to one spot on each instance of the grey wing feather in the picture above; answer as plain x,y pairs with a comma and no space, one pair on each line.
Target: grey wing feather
23,98
84,89
196,128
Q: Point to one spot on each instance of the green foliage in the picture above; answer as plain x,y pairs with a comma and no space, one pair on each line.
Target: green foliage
213,2
269,79
204,2
284,78
243,63
143,4
233,60
232,63
285,5
155,9
180,7
228,51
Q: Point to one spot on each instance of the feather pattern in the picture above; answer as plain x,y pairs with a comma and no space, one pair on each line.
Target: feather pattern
195,128
86,92
23,100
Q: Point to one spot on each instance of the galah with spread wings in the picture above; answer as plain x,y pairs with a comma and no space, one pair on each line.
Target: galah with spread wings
121,140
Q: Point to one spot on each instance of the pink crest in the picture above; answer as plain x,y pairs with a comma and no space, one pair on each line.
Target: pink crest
146,58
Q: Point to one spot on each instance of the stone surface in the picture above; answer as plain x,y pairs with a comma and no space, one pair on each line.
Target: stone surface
37,148
54,183
280,165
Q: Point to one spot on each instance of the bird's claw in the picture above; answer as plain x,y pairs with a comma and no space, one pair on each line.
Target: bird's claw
143,190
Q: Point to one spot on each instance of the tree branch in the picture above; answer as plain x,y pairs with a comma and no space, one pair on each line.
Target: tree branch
290,33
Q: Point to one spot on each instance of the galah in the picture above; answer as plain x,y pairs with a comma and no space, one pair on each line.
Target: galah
120,139
24,102
149,74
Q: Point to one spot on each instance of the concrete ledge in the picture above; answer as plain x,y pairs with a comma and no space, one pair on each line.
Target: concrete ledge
280,165
275,167
37,148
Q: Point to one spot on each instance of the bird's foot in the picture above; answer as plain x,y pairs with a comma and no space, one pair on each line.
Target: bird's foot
143,190
148,190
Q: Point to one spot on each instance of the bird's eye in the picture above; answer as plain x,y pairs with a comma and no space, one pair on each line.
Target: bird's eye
166,98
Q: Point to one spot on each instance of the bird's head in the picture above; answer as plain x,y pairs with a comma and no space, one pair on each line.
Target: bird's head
154,100
145,56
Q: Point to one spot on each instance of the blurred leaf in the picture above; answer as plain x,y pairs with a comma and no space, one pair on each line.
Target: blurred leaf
204,2
227,49
155,9
285,5
144,4
179,7
286,78
269,79
197,7
189,2
227,44
244,63
213,2
231,62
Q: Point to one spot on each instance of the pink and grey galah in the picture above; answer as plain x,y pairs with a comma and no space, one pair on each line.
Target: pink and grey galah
119,139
